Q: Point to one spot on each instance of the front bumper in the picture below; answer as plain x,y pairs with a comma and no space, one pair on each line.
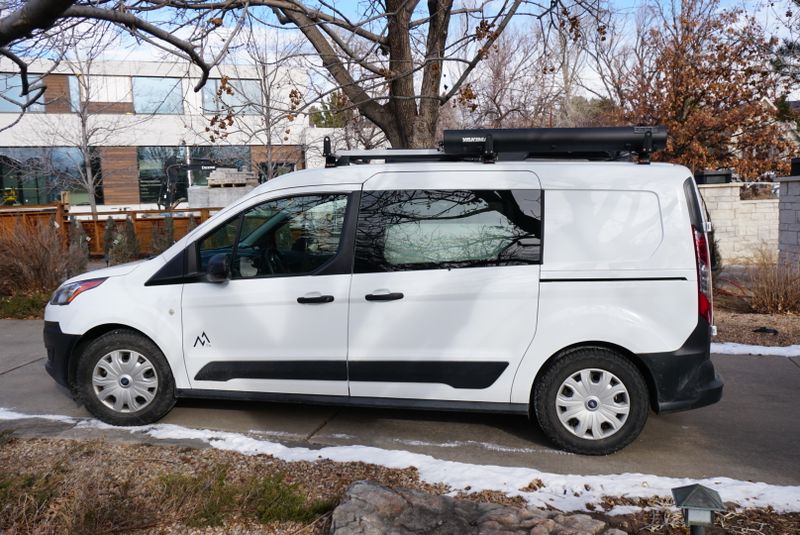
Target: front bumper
685,379
59,348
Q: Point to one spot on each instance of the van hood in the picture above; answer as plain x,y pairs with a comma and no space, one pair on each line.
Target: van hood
113,271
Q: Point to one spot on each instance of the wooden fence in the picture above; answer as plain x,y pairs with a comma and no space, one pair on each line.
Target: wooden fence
145,222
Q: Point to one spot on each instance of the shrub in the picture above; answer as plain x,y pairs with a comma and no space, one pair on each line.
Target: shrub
108,237
130,238
78,251
23,306
121,245
32,258
773,288
163,235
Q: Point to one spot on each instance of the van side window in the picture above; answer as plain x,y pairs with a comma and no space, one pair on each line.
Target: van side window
289,236
219,241
436,229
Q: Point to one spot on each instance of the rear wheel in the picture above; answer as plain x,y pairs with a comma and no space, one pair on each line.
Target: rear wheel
124,379
591,401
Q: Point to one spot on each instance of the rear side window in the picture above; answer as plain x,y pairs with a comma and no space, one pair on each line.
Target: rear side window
695,212
400,230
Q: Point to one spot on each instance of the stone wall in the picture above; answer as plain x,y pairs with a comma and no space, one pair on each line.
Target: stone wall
741,228
789,243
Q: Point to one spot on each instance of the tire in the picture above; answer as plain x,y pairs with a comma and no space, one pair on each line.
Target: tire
124,379
593,421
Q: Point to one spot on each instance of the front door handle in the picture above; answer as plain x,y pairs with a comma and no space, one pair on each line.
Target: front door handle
391,296
317,299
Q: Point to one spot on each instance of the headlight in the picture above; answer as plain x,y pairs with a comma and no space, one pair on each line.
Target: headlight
67,292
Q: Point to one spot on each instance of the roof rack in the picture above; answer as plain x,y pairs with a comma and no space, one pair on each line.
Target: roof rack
517,144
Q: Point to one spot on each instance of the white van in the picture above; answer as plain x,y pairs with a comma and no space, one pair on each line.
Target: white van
508,272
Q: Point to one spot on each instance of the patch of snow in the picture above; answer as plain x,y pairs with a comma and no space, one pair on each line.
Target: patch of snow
285,435
565,492
479,444
730,348
626,510
8,414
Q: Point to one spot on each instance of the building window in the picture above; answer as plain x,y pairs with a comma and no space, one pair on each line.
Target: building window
37,175
157,95
10,97
269,170
154,164
242,97
232,156
74,94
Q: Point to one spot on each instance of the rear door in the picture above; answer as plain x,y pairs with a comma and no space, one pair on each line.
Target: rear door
444,295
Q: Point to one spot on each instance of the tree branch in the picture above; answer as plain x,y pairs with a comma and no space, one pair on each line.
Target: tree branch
371,109
132,23
479,55
34,15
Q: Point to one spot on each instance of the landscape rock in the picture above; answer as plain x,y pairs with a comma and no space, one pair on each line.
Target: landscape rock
369,508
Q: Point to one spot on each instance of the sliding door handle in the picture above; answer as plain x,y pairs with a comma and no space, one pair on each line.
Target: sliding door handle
392,296
317,299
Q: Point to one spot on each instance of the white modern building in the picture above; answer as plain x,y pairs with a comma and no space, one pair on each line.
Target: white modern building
144,117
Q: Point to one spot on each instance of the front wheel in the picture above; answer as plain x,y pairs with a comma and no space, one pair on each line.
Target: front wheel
591,401
124,379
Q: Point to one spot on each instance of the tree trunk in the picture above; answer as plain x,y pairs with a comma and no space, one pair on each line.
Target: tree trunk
88,177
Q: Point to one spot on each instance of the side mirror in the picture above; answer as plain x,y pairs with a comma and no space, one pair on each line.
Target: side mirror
219,268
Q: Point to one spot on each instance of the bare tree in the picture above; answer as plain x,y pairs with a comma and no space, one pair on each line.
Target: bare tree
516,86
408,44
256,101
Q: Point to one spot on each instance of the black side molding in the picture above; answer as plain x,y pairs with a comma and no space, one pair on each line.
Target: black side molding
302,370
616,279
457,374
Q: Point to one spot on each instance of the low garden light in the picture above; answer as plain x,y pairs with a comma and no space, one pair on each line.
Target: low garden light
698,504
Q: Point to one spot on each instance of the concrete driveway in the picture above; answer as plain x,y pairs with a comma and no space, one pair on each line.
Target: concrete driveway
752,434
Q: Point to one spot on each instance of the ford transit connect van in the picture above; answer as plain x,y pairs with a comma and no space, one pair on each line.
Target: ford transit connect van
521,271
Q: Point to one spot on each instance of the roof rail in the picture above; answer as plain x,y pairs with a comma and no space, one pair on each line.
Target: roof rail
516,144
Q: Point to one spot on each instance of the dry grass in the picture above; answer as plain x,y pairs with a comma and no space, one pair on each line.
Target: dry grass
34,260
94,487
765,287
756,329
667,521
773,288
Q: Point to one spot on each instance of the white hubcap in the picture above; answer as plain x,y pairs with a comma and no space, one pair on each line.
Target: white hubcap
592,404
125,381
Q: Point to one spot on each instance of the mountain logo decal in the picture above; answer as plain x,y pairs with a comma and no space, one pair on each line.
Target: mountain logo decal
202,340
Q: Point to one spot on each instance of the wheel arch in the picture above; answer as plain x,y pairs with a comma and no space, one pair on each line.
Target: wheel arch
627,354
88,337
